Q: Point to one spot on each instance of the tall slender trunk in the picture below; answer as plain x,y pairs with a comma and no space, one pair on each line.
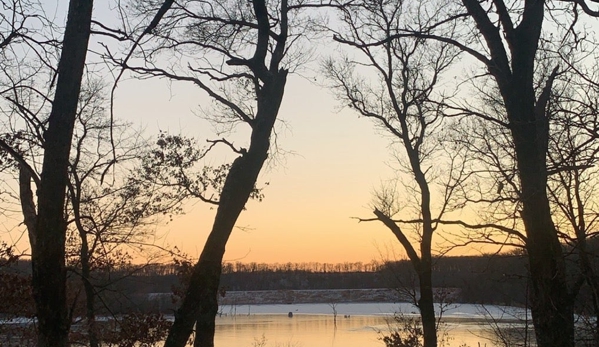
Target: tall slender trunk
90,293
84,256
426,301
48,263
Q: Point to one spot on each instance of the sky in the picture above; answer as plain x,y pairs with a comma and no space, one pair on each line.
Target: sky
328,164
322,178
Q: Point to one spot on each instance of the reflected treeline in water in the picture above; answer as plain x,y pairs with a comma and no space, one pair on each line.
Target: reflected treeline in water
355,329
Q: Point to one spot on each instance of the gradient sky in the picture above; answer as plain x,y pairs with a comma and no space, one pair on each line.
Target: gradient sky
330,161
329,164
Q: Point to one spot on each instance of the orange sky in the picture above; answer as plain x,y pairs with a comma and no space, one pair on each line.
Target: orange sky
331,163
335,162
328,166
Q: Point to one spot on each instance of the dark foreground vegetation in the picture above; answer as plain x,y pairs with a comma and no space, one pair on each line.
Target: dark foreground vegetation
489,106
133,300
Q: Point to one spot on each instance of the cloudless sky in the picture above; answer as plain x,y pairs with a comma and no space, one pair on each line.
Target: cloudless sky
324,174
328,164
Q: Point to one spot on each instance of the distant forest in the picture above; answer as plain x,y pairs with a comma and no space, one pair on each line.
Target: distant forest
488,279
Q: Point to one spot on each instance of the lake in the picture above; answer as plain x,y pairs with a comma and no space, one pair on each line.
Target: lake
357,324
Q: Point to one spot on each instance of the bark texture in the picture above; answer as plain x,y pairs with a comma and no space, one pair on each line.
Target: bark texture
49,276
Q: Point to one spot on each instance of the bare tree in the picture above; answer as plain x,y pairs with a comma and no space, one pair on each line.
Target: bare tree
401,103
239,54
573,156
494,189
333,306
49,227
119,188
113,204
505,39
512,68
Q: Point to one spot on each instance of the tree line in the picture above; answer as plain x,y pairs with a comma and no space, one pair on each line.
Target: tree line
478,279
499,279
510,138
235,267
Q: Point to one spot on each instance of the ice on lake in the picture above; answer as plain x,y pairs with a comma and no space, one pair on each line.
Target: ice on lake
357,324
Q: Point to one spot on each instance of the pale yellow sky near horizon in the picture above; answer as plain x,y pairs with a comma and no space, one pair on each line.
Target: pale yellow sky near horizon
329,165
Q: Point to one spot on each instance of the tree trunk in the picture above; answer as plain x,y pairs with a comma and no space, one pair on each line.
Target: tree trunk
90,294
551,305
27,204
48,263
423,268
84,255
426,306
585,263
590,278
200,305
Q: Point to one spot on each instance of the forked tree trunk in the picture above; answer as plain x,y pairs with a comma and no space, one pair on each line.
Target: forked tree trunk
551,302
48,255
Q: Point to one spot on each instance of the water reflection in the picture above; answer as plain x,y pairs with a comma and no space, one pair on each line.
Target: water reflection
300,330
318,330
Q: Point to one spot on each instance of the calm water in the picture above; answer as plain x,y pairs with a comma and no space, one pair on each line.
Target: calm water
312,325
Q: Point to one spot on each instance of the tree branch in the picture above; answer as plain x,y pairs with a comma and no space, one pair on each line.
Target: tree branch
396,230
22,162
585,7
27,204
